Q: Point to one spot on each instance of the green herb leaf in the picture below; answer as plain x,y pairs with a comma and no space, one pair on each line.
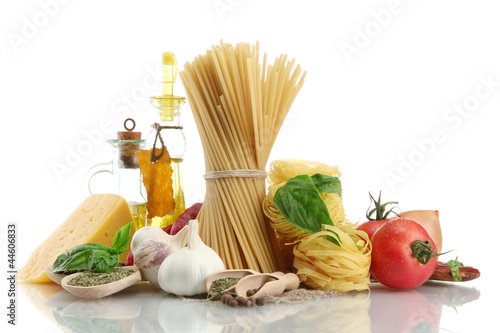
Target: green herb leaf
77,257
327,184
93,256
455,266
121,239
300,202
103,261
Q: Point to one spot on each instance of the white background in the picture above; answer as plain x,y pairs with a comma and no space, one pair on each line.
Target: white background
68,66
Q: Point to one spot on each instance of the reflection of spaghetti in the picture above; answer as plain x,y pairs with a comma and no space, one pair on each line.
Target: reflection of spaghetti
320,263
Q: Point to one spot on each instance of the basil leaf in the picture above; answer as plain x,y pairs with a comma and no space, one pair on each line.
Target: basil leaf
301,204
103,261
455,266
327,184
121,239
76,258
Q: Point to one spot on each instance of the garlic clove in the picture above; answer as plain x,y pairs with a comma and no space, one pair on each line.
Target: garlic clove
150,246
184,272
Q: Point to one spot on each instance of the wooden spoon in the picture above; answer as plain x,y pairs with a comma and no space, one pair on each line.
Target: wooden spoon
267,284
102,290
57,278
230,273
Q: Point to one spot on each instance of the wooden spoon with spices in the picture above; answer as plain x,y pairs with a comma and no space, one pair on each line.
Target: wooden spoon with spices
99,290
227,274
260,285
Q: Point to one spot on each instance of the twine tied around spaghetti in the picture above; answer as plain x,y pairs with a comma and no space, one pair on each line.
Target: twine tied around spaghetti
240,173
157,127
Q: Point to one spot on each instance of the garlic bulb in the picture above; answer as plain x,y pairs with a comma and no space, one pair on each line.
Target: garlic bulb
183,273
150,246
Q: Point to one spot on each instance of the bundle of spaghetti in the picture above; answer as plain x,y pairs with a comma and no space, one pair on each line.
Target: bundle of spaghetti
239,106
320,263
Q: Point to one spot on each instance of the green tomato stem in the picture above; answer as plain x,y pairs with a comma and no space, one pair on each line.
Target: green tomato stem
423,251
379,209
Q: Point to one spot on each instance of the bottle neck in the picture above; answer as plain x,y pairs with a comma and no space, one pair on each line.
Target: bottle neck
171,133
167,120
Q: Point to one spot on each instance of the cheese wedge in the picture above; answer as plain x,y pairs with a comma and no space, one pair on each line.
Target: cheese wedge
95,220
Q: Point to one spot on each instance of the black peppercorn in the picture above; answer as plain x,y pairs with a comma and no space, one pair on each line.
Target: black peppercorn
260,301
241,300
226,298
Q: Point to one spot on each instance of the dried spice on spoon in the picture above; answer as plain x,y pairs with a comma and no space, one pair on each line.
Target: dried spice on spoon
89,279
218,287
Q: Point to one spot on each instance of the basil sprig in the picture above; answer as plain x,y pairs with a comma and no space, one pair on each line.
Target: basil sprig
94,257
300,202
455,266
327,184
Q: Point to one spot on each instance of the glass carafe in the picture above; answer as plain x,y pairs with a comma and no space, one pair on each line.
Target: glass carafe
126,175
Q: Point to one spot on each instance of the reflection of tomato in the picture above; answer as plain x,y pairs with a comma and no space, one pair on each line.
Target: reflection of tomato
401,311
403,255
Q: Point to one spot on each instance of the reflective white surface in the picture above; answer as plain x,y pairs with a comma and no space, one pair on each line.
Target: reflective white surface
433,307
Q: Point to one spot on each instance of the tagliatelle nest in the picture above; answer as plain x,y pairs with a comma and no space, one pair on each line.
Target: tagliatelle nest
321,264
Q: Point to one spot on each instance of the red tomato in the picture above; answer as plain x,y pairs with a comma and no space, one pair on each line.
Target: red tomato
394,263
371,226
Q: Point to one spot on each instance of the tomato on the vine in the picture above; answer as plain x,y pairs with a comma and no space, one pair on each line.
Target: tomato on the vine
381,216
403,254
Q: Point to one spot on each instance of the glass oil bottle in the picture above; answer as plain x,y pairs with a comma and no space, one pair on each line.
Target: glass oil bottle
168,126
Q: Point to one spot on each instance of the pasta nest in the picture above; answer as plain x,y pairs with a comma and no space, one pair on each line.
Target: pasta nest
323,265
320,263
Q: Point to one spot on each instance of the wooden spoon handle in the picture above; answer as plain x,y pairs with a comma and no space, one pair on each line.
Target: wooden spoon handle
291,281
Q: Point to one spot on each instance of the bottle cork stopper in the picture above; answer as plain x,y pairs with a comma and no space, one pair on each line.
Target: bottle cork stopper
128,150
129,134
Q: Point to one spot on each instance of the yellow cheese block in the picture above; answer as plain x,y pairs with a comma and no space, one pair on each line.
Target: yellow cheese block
95,220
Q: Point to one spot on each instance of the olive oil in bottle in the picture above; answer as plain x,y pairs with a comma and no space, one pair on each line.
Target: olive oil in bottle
167,131
138,210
